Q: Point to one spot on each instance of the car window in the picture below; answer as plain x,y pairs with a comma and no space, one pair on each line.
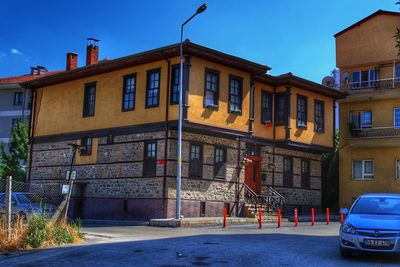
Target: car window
28,198
377,205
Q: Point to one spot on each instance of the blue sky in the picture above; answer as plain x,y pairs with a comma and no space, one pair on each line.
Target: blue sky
287,35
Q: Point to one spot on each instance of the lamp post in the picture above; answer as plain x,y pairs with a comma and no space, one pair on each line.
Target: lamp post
201,9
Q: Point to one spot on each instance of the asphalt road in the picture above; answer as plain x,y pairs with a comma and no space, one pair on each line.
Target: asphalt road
212,246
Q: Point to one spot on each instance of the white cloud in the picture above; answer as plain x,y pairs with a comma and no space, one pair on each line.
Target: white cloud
16,52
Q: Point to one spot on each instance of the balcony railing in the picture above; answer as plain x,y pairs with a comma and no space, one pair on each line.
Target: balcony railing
375,132
370,85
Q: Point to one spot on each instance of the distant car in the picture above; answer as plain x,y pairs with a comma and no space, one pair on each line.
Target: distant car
25,205
371,225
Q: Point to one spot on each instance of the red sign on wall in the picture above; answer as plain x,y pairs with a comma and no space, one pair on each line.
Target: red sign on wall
160,162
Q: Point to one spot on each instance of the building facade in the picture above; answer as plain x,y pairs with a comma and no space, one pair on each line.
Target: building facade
369,64
243,131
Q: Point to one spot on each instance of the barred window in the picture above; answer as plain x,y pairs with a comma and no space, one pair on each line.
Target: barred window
89,100
301,111
150,158
196,160
235,94
220,162
211,89
305,173
288,172
86,146
129,92
266,107
175,79
319,116
153,89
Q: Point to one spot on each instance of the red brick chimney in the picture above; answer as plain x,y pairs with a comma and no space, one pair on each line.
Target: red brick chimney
92,51
72,61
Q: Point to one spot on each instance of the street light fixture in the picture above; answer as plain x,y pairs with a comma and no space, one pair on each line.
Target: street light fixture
201,9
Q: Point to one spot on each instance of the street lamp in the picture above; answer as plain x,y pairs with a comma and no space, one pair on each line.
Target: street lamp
201,9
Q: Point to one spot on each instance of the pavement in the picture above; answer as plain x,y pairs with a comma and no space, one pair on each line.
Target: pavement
243,245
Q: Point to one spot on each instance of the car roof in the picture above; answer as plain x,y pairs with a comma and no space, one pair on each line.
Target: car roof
380,195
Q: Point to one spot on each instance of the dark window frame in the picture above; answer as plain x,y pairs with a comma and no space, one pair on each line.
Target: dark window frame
266,112
124,93
287,175
194,162
305,176
300,113
220,164
253,149
86,147
280,110
175,84
149,163
88,110
216,93
148,89
18,98
319,119
238,79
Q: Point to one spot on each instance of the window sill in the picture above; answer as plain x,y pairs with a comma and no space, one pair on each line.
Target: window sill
303,127
235,112
126,110
363,179
220,178
212,107
319,131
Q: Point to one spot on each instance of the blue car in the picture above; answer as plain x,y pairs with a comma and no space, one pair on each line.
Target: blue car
371,225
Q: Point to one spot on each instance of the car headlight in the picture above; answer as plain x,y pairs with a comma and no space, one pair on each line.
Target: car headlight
348,228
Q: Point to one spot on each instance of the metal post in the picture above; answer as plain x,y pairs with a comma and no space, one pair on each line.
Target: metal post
70,181
8,205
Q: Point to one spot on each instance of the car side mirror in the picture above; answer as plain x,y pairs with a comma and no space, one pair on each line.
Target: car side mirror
344,211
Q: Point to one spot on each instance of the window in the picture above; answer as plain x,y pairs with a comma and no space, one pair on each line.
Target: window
363,169
235,94
211,89
86,146
305,173
175,79
202,209
252,149
153,88
365,78
319,116
397,168
220,162
129,92
361,119
150,159
196,160
397,118
266,108
280,109
89,100
288,172
18,97
14,123
301,111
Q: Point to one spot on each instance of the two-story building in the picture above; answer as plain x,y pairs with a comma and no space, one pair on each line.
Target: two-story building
243,131
369,64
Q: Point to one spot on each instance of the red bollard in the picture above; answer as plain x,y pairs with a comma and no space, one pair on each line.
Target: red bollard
279,218
341,217
259,219
296,218
224,226
312,217
327,216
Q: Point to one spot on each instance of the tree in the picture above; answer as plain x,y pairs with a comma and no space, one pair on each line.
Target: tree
11,161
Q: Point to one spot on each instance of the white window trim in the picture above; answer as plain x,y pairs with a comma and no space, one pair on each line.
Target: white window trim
394,118
363,178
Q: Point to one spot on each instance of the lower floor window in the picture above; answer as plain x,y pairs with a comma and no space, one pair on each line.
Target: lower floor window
363,169
86,146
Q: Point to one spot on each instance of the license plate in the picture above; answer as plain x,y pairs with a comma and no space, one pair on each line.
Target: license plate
376,243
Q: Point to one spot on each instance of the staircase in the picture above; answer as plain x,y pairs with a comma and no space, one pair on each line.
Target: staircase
269,203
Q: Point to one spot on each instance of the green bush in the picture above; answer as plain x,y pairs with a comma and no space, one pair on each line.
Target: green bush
37,231
61,235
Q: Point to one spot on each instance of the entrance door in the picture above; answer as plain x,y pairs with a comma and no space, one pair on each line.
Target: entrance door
253,174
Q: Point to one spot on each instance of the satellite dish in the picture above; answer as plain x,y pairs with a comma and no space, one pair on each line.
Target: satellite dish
328,81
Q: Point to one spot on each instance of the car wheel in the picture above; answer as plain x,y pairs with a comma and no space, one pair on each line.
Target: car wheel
345,253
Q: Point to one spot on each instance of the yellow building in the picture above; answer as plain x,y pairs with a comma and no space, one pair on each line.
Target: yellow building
369,64
245,133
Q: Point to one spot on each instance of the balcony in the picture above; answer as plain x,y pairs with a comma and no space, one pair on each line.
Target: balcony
368,86
374,137
375,132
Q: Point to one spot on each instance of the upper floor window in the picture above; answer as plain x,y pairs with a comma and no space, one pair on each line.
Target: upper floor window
153,88
196,160
211,89
89,100
365,78
319,116
361,119
150,158
280,108
235,94
129,92
175,79
220,162
363,169
266,107
305,173
86,146
301,111
397,118
18,97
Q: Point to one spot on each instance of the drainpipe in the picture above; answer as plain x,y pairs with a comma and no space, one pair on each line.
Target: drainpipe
32,121
287,101
238,168
334,124
273,139
166,126
251,118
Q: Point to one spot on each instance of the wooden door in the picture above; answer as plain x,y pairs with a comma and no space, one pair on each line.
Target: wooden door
253,174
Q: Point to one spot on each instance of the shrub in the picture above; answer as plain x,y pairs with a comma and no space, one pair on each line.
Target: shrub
61,235
37,231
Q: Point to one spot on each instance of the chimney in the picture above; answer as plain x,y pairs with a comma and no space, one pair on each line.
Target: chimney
41,69
72,61
34,71
92,51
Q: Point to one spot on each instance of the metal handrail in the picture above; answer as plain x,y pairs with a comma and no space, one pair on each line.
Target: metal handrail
380,131
372,84
273,200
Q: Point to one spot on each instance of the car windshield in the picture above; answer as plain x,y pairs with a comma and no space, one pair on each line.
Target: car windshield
28,198
377,205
